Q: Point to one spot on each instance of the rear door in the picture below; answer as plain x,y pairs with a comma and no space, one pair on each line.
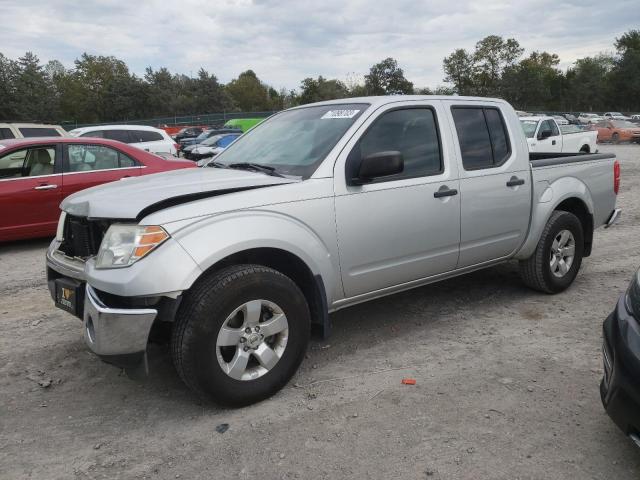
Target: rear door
30,191
87,165
151,141
495,183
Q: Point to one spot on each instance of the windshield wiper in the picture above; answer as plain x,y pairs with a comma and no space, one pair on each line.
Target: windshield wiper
256,166
217,165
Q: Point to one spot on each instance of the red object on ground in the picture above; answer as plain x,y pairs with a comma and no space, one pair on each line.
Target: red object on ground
408,381
36,174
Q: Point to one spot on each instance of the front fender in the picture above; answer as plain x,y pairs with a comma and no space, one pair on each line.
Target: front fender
214,238
546,198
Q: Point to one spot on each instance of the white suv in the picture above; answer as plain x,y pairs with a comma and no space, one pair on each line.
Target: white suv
151,139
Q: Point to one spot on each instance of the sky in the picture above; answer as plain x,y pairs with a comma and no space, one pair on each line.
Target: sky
284,41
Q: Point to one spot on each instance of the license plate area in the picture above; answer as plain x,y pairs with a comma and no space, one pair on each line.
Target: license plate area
70,295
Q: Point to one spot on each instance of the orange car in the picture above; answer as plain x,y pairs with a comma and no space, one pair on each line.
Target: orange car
617,131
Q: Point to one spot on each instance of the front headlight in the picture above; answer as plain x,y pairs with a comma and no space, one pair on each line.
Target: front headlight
124,245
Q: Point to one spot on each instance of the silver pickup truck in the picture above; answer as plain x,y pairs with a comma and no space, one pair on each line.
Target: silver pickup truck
316,209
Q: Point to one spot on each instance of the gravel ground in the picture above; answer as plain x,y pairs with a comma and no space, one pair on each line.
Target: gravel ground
507,386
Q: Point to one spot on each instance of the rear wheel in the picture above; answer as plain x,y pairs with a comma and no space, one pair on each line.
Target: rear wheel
558,256
584,149
240,334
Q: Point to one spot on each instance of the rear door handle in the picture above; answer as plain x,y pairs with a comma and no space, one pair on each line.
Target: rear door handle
46,187
445,191
515,181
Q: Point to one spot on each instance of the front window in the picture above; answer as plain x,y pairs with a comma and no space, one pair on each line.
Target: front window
294,142
28,162
529,127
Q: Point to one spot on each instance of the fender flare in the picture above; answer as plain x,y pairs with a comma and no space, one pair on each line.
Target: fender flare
547,201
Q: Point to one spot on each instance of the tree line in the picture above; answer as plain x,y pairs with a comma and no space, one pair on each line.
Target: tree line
102,88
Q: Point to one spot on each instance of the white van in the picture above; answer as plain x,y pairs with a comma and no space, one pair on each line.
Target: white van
29,130
151,139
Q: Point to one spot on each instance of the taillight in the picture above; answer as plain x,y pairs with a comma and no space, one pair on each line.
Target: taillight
616,177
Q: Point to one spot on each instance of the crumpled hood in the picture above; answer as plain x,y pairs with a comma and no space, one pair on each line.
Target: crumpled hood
128,198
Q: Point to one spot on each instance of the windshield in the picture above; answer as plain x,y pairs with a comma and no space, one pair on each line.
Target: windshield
296,141
202,136
623,124
529,127
211,140
616,114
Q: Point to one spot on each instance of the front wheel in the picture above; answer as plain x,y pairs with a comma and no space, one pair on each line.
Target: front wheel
615,138
558,256
240,334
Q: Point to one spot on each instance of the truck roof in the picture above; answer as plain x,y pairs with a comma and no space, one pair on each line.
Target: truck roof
387,99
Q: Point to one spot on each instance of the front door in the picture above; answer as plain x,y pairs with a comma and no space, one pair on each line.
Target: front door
495,184
30,192
548,137
399,228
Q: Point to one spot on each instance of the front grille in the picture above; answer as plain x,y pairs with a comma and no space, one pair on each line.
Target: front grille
82,237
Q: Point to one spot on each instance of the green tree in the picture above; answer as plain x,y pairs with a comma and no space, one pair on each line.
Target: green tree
588,83
534,83
625,76
492,56
317,90
387,78
8,74
460,70
248,93
32,90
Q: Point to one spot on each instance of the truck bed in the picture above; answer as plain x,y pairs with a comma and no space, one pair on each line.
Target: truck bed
544,159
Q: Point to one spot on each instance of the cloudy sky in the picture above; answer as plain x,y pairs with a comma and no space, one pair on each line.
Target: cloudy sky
284,41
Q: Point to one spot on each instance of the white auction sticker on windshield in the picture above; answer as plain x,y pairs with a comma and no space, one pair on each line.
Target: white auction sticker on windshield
340,114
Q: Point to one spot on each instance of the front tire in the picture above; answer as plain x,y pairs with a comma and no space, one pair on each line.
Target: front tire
240,334
615,138
555,263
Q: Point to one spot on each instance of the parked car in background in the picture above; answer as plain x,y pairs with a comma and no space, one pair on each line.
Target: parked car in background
243,124
635,118
572,119
29,130
151,139
589,118
560,120
37,174
188,132
615,131
615,116
210,147
544,135
620,386
185,142
319,208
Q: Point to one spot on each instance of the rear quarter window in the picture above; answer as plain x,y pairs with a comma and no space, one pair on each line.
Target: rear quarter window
146,136
6,133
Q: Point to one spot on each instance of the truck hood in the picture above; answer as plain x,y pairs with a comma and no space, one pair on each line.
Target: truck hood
136,197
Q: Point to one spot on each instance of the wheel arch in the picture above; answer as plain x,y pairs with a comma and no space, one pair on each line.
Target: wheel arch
577,207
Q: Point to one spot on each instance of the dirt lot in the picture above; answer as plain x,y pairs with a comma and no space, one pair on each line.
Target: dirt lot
507,386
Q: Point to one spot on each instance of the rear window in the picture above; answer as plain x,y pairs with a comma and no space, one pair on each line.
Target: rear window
483,138
119,135
28,132
94,134
146,136
6,133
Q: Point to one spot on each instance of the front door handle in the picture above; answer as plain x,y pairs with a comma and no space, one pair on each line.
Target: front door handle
445,191
46,187
515,181
553,142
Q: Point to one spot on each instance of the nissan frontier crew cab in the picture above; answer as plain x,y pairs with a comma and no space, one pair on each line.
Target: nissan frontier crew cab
318,208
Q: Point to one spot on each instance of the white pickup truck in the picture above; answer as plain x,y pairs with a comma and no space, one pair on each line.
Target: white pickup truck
318,208
545,135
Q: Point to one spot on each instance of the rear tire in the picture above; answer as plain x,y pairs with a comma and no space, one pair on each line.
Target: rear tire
216,345
555,263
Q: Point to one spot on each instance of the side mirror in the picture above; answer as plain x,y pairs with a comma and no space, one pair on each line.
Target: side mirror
376,165
544,134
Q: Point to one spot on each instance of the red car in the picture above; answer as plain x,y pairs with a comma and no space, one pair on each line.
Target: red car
36,174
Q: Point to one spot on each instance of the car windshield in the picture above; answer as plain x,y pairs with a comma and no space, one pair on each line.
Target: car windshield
623,124
529,127
296,141
211,140
616,114
202,136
